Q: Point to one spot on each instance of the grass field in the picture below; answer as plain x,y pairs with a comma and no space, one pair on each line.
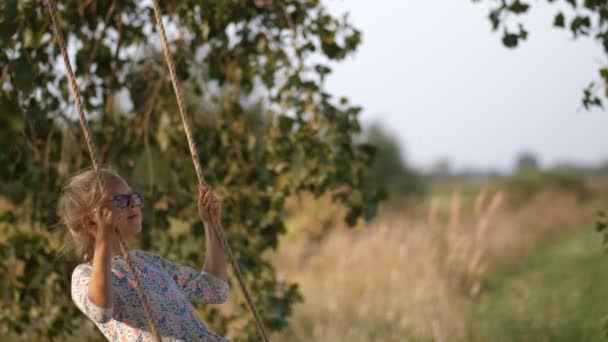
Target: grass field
556,293
472,268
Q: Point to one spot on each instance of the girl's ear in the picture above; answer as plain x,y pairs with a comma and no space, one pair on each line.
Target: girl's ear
89,223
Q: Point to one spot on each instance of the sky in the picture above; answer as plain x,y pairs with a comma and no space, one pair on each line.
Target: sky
437,77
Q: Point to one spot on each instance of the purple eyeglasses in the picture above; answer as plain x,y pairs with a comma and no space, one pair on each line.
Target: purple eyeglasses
122,200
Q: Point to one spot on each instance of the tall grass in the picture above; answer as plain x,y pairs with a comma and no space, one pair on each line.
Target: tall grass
413,277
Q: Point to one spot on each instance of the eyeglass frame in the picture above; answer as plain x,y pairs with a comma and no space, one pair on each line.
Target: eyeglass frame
130,197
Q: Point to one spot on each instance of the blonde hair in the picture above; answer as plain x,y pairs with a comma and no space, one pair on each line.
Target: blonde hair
80,195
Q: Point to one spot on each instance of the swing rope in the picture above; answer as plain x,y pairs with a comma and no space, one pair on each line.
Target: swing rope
218,225
87,134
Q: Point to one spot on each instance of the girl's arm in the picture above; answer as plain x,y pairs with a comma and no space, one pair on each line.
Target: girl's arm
92,286
199,287
215,260
209,208
100,286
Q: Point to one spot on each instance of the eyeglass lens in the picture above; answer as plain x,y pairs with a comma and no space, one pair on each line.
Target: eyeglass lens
122,201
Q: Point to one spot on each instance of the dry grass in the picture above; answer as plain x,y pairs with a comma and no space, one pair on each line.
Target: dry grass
379,284
413,277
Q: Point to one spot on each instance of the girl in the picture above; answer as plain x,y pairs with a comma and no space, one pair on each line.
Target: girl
103,288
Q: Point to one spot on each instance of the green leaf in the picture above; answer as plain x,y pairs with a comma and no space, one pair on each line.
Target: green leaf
285,124
510,40
580,25
523,34
604,75
369,149
494,17
8,29
353,215
82,58
11,114
3,60
38,119
559,20
10,10
104,61
518,7
23,74
602,221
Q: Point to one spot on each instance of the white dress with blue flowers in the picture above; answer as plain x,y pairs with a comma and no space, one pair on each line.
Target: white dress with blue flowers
169,287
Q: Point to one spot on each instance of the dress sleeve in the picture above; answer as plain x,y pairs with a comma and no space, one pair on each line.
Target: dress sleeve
199,286
80,296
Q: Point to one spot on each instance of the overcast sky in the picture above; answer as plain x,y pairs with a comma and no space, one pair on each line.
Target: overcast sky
437,76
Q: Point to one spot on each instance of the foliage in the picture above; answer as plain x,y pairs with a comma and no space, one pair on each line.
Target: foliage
526,162
588,20
522,185
390,169
297,139
28,304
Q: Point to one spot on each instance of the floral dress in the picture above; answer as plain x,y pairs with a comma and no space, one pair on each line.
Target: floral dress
169,287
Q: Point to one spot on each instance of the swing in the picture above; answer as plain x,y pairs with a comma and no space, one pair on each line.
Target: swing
87,134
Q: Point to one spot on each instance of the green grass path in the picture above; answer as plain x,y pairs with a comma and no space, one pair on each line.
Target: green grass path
559,292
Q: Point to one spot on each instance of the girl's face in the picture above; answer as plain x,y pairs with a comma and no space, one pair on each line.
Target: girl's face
130,219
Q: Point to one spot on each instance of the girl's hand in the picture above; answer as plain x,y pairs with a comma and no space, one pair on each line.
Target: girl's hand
107,216
209,206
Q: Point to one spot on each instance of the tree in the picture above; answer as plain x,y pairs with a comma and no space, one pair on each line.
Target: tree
588,20
299,138
526,162
441,169
390,169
